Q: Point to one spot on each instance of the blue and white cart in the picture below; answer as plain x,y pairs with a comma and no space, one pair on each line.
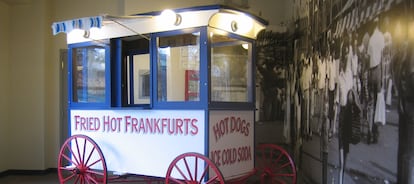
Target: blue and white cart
167,95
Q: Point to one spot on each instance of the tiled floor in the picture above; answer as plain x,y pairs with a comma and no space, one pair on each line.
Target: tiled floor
44,178
52,178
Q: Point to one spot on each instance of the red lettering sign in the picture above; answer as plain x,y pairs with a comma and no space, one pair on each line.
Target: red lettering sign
231,125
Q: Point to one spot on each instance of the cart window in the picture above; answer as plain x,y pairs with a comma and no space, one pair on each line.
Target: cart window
231,70
88,74
135,71
178,67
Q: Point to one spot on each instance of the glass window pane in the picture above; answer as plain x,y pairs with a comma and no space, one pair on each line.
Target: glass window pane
89,74
138,79
230,70
178,67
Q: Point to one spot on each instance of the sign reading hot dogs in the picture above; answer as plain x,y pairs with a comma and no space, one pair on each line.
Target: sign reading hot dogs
232,141
231,125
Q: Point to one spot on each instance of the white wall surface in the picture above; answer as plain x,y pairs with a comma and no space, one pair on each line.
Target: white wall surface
27,90
4,83
29,77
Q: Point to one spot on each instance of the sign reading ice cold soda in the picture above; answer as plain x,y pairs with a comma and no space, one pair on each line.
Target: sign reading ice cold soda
232,141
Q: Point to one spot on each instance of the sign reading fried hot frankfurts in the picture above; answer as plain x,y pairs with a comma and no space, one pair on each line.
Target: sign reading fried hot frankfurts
142,141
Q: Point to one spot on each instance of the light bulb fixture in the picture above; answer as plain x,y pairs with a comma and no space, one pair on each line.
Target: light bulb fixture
234,26
86,33
169,16
178,19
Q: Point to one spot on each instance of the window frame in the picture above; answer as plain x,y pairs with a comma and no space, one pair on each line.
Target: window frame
71,90
202,102
250,104
129,93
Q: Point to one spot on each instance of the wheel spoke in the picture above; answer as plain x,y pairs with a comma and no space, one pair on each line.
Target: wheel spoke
181,172
285,174
65,168
87,180
283,166
271,154
79,154
278,158
177,181
90,155
94,172
188,169
83,155
73,154
90,178
204,173
196,169
70,160
212,180
92,164
69,177
78,178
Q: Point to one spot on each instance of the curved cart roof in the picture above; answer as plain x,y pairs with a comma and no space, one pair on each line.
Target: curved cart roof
107,26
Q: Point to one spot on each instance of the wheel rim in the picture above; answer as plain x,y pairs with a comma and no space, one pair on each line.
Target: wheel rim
274,164
81,161
192,168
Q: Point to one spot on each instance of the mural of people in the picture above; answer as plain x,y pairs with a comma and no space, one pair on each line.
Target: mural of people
272,75
403,66
351,91
360,95
344,91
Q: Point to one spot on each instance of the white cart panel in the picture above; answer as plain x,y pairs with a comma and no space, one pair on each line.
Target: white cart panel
142,141
232,142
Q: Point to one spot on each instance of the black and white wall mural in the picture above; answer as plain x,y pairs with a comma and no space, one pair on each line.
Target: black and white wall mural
345,89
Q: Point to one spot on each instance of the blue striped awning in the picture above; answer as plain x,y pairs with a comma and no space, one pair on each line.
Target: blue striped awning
81,23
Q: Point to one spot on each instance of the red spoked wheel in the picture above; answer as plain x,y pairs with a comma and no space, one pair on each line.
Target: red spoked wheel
81,161
274,164
192,168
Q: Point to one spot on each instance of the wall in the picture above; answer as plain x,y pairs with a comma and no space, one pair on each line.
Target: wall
141,6
65,10
27,62
4,65
277,12
29,76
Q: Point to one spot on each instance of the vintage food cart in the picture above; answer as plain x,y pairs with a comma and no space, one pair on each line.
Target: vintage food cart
167,96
